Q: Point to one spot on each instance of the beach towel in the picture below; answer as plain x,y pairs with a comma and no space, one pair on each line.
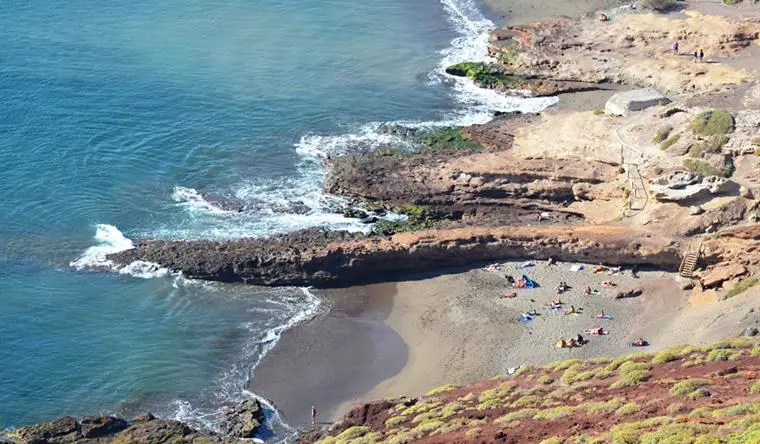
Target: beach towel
529,283
524,318
576,267
527,264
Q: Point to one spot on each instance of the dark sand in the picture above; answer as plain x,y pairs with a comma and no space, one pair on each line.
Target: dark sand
336,357
526,11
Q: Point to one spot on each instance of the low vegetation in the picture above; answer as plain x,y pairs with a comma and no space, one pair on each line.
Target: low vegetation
662,134
704,168
448,140
713,123
648,399
741,287
670,141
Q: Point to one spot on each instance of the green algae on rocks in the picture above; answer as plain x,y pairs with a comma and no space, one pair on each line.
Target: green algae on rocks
486,75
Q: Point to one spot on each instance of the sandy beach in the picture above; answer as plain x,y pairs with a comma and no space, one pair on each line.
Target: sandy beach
340,355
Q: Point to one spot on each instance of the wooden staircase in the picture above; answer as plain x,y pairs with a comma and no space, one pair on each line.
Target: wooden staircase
689,261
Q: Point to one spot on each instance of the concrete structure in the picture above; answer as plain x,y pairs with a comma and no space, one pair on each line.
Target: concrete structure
622,103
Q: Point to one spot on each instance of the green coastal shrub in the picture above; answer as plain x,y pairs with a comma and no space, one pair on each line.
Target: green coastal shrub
717,142
441,390
731,2
687,387
662,134
741,287
719,355
628,409
712,123
670,141
703,168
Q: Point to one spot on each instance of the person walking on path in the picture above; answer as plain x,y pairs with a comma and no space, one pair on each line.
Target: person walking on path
675,48
696,56
701,55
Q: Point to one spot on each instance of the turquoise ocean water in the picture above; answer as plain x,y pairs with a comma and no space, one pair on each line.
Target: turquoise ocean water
126,119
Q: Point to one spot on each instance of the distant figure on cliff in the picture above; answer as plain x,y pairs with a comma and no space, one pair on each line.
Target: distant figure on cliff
313,417
675,48
701,56
696,56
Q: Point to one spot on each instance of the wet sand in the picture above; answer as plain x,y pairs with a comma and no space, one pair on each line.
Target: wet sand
526,11
336,357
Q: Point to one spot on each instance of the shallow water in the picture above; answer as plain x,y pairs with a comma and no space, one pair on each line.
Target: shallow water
119,118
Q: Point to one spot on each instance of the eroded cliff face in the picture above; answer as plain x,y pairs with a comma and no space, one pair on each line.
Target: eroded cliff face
312,258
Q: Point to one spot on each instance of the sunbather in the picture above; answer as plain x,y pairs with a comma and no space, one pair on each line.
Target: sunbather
609,284
596,331
639,343
571,311
509,295
601,315
561,344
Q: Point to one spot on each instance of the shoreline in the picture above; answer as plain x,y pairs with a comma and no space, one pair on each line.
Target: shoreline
339,355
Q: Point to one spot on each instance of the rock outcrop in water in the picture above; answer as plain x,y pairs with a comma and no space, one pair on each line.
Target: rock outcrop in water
108,429
313,257
241,421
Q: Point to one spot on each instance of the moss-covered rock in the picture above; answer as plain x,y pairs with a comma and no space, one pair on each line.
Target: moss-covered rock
486,75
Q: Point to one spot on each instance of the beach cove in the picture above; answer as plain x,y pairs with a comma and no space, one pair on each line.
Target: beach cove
589,197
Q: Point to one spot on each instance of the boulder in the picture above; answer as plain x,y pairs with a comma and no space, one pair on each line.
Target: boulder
622,103
684,186
745,192
696,210
721,273
62,430
143,417
97,426
629,293
243,420
750,332
355,213
686,285
157,431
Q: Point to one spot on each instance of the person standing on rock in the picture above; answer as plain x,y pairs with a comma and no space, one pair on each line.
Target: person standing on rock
701,55
696,56
675,48
313,417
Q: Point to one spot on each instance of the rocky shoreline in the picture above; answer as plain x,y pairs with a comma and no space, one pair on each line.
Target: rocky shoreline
240,424
571,185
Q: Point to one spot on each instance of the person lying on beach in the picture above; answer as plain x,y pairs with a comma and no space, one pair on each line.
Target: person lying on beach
509,295
561,344
640,343
609,284
572,310
588,292
600,269
580,339
601,315
562,287
533,313
596,331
